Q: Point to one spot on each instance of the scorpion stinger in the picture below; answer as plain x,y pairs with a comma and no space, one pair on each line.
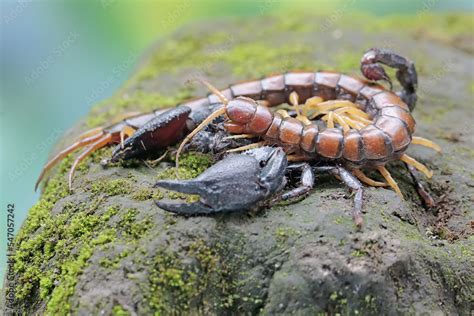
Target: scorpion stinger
406,72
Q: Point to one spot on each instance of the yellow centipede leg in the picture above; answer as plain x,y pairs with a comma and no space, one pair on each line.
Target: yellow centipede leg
311,103
388,177
341,122
354,111
323,107
362,177
283,113
418,165
294,99
294,158
126,131
246,147
417,140
352,123
330,122
304,120
239,136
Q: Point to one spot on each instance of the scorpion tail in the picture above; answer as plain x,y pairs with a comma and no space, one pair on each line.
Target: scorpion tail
83,140
103,141
372,69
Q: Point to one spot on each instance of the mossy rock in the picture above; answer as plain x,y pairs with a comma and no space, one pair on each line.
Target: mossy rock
107,249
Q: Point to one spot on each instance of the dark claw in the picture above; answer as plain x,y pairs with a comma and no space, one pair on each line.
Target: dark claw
239,182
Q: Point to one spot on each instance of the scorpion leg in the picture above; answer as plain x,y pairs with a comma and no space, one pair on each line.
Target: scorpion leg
420,188
353,184
307,183
237,182
406,72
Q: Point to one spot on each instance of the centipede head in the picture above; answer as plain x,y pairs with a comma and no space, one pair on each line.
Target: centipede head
240,111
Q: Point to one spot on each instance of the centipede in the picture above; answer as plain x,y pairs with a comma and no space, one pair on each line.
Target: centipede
322,120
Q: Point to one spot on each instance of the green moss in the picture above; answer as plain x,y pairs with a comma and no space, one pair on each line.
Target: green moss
200,286
190,166
286,234
133,229
448,28
114,262
64,237
143,194
120,311
138,101
358,253
252,60
111,187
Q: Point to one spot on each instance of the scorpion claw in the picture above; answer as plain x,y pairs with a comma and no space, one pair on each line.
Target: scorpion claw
185,208
183,186
238,182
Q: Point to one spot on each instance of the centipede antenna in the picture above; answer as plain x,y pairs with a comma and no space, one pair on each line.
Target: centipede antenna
89,133
85,139
214,90
93,147
203,124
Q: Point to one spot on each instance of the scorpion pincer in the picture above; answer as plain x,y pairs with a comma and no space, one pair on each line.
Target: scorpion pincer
336,124
261,174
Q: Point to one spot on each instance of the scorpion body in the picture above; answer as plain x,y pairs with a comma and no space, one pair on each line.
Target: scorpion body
375,125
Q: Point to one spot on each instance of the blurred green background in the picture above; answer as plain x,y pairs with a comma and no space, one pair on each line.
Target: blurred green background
58,58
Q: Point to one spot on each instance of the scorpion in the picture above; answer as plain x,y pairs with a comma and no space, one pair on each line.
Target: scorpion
297,122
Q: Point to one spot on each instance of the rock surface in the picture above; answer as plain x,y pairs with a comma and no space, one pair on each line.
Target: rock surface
106,248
